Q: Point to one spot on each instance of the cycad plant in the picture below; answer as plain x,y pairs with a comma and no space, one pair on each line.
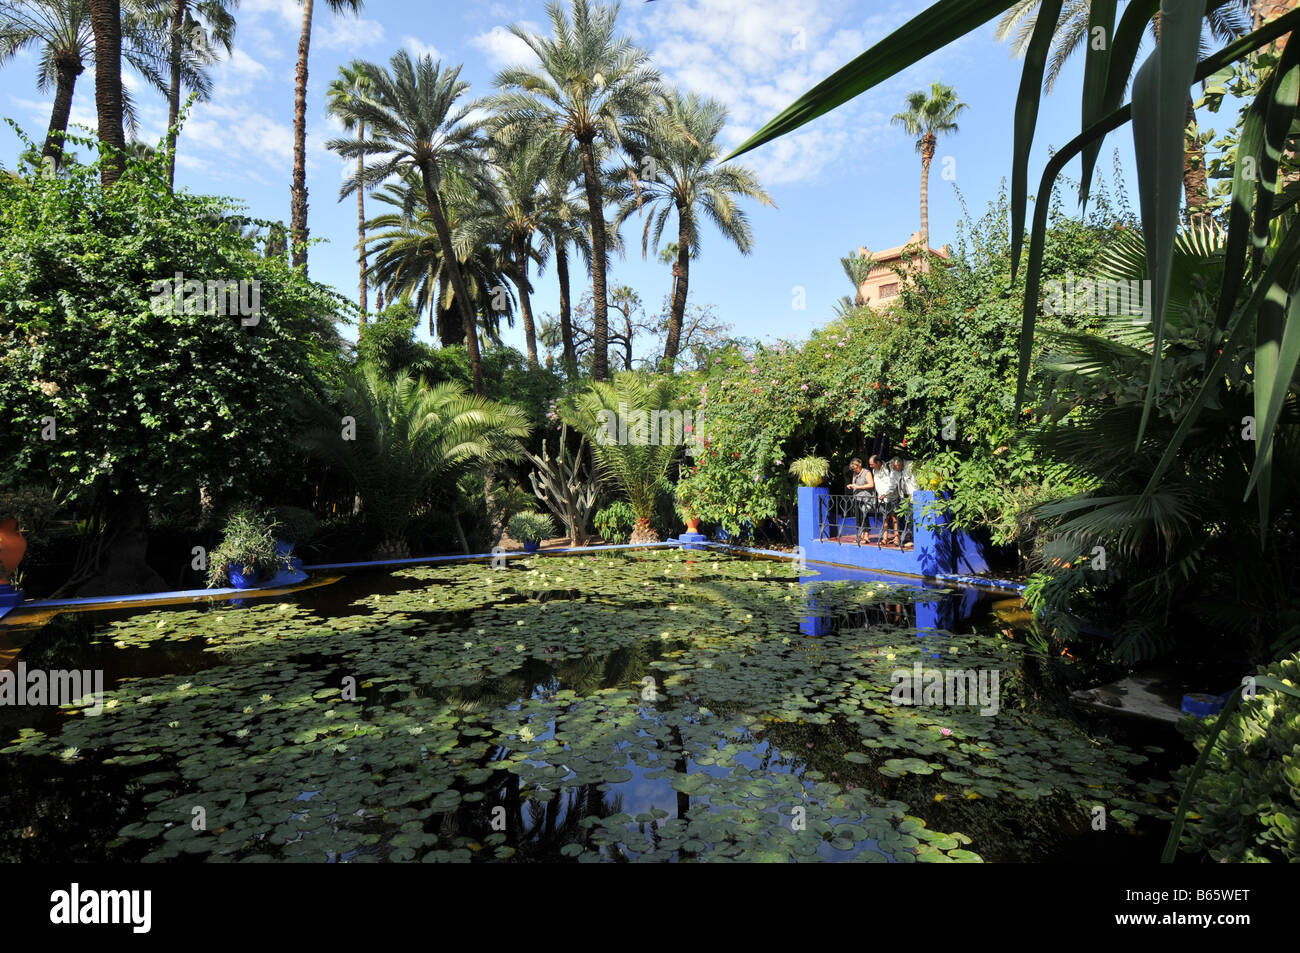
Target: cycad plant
408,440
622,418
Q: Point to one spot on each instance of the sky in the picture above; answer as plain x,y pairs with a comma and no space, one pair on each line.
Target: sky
846,180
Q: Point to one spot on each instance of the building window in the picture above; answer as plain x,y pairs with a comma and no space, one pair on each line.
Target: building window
889,291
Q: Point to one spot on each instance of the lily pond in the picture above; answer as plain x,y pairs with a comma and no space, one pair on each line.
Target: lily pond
652,706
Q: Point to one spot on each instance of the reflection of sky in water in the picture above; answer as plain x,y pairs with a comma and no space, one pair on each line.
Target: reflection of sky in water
641,794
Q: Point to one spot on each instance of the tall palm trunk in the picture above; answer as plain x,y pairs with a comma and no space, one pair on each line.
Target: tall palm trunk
600,305
361,222
67,66
298,191
174,88
520,254
452,266
927,156
681,279
106,22
566,323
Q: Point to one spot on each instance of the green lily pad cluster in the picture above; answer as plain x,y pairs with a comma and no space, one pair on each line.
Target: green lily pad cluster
652,706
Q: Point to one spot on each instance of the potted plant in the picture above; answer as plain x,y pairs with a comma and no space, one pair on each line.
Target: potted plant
812,471
25,514
247,553
686,495
530,528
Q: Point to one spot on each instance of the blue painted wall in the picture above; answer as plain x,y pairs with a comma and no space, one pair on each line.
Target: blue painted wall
937,549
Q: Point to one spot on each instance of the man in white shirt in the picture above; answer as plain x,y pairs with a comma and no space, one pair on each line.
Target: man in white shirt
901,485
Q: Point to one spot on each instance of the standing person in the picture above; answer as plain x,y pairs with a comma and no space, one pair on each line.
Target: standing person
863,487
902,484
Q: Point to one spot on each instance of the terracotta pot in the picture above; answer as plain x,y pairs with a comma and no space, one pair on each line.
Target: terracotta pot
12,548
693,524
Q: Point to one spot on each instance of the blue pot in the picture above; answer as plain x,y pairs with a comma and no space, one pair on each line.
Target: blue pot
243,577
532,547
283,549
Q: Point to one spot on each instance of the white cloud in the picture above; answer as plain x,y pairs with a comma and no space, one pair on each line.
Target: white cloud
346,30
418,48
758,56
503,48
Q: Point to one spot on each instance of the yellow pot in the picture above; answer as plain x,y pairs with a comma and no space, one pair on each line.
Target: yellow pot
812,481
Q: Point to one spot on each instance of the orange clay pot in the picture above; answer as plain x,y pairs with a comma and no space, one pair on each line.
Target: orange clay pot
12,548
693,524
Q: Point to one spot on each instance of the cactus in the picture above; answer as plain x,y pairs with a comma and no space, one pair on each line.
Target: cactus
558,482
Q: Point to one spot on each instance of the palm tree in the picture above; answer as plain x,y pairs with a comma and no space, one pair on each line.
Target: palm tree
525,208
677,144
106,25
352,82
195,29
415,125
588,83
62,31
929,116
1224,22
640,468
565,222
409,260
412,440
298,191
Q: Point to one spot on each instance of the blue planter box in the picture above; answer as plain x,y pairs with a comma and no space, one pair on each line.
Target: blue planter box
242,577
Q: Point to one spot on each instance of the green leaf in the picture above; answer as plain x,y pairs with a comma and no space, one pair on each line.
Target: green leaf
930,30
1101,16
1159,120
1284,263
1031,85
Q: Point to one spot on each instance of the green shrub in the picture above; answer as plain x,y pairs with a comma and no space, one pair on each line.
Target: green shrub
529,526
1246,807
615,522
295,525
247,542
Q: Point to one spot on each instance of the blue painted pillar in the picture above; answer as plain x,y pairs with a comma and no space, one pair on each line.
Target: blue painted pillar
931,536
810,504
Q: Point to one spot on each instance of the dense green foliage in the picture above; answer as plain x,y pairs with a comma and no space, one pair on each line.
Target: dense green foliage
106,387
1247,804
933,377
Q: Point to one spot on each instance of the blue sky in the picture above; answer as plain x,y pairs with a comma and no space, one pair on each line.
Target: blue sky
845,180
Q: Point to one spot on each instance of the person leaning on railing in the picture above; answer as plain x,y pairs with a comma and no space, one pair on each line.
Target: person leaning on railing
863,487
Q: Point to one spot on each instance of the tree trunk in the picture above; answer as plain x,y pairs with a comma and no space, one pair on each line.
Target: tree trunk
379,302
106,22
68,67
361,220
174,88
681,279
927,156
298,191
566,323
525,302
599,304
1195,186
452,266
